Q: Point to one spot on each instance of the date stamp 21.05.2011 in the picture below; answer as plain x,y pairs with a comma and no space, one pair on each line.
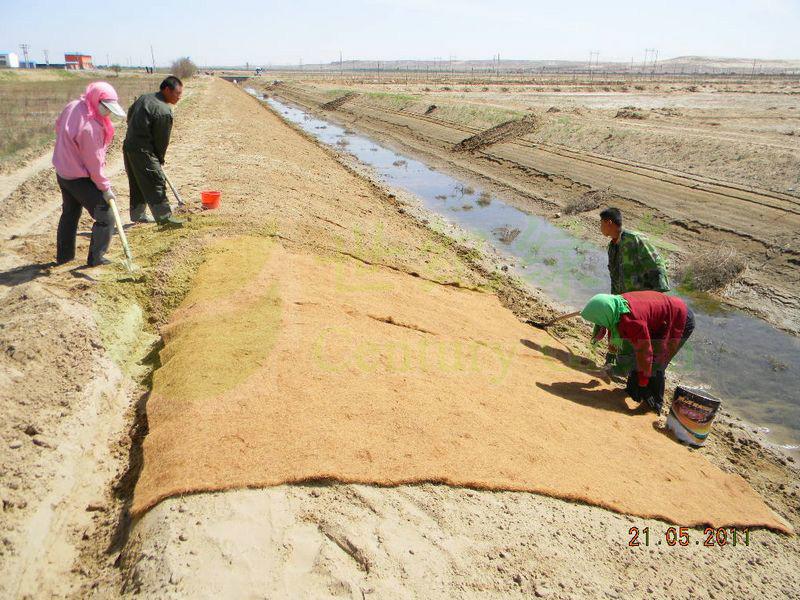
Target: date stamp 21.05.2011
684,536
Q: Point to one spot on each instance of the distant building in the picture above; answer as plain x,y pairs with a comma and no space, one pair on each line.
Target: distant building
78,61
9,60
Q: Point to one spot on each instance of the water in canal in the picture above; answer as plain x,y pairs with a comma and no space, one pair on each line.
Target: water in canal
754,367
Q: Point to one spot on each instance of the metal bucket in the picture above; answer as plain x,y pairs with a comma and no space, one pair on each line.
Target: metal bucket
692,414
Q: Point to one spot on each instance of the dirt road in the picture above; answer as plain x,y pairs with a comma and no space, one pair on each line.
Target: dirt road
66,485
691,213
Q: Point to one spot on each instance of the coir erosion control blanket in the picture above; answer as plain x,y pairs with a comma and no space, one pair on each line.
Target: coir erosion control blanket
281,367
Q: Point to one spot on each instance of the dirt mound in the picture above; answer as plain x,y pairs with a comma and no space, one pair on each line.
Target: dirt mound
590,200
499,133
338,102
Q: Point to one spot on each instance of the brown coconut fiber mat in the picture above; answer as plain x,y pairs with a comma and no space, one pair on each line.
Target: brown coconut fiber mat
282,367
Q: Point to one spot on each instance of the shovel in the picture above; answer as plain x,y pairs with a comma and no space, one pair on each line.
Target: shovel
546,324
174,191
118,222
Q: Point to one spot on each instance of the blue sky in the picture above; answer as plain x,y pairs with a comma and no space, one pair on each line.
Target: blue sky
239,31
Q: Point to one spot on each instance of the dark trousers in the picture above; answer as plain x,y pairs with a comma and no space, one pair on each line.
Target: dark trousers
653,392
147,184
77,194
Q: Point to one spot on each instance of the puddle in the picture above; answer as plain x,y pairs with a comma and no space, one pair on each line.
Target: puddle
744,360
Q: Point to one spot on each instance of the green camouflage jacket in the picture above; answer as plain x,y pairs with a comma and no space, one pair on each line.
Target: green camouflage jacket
635,265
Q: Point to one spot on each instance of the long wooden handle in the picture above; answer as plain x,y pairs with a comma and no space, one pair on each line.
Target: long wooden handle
564,316
174,191
123,238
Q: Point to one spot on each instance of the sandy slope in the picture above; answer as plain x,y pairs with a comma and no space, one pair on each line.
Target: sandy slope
321,539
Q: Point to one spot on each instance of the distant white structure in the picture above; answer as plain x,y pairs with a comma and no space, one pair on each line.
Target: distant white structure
9,60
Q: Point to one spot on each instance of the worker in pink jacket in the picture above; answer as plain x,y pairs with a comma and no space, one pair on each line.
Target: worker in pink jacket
83,134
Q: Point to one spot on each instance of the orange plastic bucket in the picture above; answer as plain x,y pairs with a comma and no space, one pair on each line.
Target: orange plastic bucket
210,199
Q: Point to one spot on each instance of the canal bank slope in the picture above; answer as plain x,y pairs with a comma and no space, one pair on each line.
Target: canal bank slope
326,538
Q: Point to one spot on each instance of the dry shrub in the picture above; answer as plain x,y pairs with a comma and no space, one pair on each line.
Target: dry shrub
465,190
506,234
627,113
590,200
184,68
711,270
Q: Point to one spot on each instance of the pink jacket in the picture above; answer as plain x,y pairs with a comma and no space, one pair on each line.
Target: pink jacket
83,136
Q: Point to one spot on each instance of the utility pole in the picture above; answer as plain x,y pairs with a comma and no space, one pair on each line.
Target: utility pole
593,55
25,48
647,52
47,58
753,72
152,58
108,61
341,65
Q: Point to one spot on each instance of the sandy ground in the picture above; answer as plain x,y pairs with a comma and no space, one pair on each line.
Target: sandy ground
66,481
649,167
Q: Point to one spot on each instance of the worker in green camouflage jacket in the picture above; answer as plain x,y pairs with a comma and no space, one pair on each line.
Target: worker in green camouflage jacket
634,265
633,262
144,151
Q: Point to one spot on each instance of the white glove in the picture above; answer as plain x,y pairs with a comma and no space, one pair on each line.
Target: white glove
109,195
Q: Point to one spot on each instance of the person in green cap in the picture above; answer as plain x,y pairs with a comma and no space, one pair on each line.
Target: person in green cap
656,326
145,149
